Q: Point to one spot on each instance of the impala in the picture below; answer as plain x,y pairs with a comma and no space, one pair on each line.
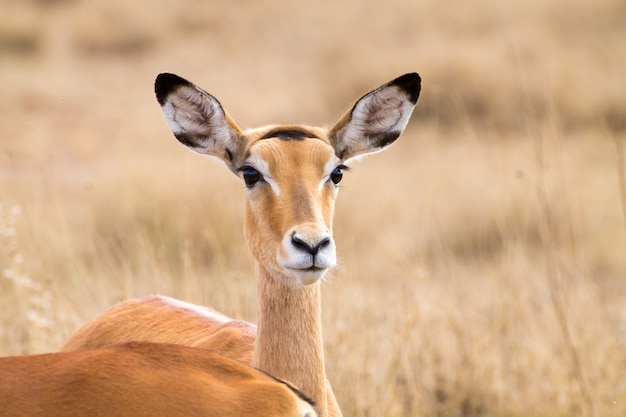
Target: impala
142,379
291,173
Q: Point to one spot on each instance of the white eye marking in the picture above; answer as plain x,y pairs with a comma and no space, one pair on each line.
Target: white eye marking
330,166
262,166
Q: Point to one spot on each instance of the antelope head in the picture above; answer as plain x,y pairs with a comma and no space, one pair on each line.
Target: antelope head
291,172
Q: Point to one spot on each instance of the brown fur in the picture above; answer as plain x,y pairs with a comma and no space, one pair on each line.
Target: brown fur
142,379
153,319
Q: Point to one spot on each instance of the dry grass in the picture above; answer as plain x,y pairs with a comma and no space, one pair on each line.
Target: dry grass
483,257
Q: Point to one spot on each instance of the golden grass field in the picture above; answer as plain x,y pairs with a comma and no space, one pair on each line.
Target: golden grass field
482,257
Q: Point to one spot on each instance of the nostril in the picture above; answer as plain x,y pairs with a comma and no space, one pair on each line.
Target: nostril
308,247
300,243
323,243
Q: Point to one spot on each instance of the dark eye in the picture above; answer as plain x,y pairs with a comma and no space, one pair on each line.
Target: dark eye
250,176
337,174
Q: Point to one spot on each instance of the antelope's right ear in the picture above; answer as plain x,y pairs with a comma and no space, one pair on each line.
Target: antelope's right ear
377,119
197,119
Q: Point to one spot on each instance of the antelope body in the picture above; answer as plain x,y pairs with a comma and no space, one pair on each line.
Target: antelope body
291,173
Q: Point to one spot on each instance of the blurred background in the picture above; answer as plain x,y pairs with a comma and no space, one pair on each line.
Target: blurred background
482,257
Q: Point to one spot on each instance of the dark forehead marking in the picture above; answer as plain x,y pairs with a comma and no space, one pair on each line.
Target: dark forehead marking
289,133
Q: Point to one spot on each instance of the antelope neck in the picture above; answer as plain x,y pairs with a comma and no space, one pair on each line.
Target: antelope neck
289,336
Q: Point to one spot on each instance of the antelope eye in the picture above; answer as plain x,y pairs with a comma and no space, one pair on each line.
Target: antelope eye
251,176
337,174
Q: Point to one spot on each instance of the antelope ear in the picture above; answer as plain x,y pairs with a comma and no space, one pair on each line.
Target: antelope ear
197,119
377,119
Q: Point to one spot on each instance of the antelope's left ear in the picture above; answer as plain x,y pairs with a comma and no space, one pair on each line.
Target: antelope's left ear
377,119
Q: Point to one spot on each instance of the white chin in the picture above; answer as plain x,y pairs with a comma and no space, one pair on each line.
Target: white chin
306,276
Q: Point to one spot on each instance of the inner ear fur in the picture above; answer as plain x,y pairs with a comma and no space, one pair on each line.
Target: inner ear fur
377,119
197,119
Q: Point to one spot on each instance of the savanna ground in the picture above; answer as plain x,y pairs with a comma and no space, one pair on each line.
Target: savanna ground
482,257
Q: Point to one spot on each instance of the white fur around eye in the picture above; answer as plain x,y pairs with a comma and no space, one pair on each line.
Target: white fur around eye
330,166
262,166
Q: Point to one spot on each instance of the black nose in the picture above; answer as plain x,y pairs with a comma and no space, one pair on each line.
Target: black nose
312,248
